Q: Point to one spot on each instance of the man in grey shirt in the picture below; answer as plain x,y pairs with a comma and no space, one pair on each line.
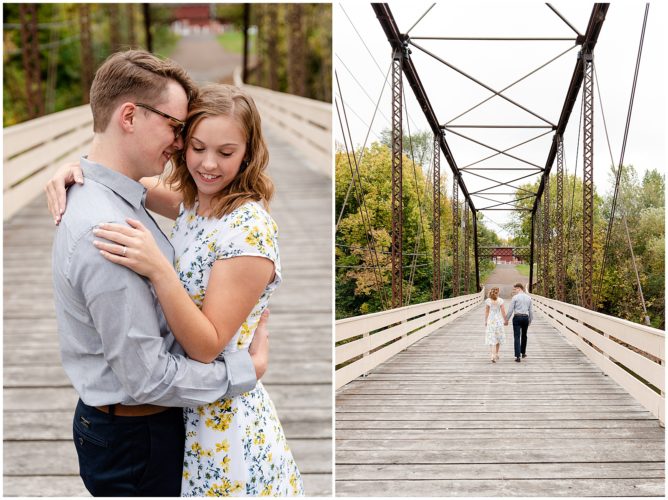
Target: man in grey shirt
520,310
130,373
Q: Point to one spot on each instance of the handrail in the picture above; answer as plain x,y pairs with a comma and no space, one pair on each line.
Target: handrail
619,347
34,149
305,123
369,340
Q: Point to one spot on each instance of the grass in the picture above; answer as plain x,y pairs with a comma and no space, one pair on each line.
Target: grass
523,269
233,41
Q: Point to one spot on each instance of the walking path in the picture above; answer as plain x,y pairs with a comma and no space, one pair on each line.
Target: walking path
39,455
205,59
439,419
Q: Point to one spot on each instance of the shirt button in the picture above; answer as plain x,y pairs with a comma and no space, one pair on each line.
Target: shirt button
81,441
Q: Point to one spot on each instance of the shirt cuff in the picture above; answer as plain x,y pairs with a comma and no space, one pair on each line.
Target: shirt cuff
241,373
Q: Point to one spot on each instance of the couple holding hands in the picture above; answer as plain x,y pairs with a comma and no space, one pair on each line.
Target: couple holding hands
496,317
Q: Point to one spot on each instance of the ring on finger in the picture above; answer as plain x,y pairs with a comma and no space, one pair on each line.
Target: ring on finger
125,250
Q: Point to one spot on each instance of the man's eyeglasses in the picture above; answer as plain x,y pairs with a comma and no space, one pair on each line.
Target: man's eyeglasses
179,125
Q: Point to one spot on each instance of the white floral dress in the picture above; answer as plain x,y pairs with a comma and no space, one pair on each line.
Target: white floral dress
494,332
234,447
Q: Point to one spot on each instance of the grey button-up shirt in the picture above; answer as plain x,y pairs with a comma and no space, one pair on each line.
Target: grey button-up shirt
520,304
116,346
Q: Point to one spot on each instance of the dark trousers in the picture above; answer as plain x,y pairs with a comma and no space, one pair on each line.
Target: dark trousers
520,327
130,456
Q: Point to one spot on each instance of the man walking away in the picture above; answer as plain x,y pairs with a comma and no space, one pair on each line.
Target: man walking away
520,309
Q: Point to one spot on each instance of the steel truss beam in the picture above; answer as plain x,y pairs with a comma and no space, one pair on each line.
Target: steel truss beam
397,184
398,41
560,272
467,265
455,238
436,287
474,219
588,183
546,238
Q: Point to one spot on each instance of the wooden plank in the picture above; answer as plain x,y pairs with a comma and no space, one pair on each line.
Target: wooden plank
440,419
494,487
494,471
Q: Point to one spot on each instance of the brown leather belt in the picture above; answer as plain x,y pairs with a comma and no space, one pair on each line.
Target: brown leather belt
132,411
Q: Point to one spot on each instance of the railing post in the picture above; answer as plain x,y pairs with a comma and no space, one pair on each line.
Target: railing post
455,236
560,272
397,155
588,182
436,283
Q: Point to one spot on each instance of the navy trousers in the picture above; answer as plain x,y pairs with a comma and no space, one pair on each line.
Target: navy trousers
130,456
520,328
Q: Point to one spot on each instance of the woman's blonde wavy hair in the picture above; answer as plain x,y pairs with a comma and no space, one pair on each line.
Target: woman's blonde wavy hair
494,293
251,183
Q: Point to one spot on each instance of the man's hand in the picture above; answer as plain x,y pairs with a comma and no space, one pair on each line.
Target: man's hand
259,347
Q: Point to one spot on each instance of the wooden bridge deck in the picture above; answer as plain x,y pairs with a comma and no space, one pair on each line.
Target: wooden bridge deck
439,419
39,456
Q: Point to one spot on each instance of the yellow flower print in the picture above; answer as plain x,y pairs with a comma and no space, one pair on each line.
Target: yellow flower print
212,247
244,334
196,447
254,237
224,445
220,422
293,482
225,463
260,438
186,475
236,487
190,218
267,490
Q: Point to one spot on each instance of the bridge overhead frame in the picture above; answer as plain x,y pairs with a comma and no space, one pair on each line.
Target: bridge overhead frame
401,42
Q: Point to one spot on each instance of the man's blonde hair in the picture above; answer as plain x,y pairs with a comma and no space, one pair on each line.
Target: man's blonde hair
135,76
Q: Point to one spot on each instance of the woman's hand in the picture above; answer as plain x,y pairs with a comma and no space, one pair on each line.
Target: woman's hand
133,247
55,189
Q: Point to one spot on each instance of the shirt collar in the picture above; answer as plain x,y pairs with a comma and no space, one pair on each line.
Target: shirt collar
131,191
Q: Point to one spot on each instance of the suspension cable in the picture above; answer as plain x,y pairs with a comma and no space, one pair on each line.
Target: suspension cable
363,149
362,205
618,175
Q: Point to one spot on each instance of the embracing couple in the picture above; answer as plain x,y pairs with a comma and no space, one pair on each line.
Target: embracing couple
164,339
496,318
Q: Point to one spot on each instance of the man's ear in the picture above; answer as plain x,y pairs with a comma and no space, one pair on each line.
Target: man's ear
126,116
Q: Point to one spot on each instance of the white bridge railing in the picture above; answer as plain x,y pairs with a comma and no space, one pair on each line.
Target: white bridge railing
33,150
305,123
369,336
617,347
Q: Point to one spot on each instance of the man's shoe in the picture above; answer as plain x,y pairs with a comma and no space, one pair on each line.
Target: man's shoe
517,360
524,355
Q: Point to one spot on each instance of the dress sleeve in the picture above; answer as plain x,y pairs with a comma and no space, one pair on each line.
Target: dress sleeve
249,231
487,301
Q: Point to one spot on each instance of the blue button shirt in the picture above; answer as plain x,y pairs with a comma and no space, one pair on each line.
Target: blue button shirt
116,346
520,304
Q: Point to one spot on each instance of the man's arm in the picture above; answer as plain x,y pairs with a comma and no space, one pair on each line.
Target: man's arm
122,308
511,309
530,310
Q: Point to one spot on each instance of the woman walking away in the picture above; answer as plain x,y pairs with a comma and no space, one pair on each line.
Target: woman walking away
494,314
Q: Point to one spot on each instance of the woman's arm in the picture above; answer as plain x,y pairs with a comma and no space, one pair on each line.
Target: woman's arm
486,314
503,311
161,198
234,286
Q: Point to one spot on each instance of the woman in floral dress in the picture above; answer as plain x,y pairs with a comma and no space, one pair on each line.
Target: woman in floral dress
494,315
227,267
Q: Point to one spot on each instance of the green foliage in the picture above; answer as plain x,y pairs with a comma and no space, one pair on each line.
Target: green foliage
363,279
640,207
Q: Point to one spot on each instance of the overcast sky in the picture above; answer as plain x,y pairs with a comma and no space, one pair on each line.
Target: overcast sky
498,64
